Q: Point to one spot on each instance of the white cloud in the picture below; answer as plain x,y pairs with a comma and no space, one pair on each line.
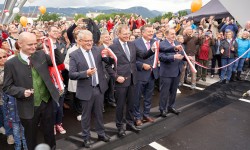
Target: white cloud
160,5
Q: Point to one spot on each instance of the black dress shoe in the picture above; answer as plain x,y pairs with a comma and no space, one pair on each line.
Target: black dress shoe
86,143
133,128
163,114
113,104
104,138
174,111
121,133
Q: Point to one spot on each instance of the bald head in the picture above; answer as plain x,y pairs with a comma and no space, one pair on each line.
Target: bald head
27,43
26,36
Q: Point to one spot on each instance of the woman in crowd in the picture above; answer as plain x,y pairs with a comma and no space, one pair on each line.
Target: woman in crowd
229,51
205,54
243,46
5,46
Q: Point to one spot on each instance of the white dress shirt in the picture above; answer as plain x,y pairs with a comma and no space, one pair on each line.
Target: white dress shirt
85,54
25,57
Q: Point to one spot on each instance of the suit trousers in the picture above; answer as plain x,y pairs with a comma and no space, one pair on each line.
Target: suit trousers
95,106
145,88
44,115
109,94
124,97
168,87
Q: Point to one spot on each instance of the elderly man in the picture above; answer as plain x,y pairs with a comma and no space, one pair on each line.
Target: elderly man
27,78
86,67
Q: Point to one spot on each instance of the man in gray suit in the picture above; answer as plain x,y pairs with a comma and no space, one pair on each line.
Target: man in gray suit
86,67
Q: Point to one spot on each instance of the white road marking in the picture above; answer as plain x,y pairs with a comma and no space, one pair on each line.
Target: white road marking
198,88
157,146
244,100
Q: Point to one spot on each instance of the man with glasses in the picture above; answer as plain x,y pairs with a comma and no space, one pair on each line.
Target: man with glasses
86,67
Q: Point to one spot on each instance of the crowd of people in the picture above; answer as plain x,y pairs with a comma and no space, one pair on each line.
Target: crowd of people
111,61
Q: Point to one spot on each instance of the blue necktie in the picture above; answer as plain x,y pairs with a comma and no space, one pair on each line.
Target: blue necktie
94,82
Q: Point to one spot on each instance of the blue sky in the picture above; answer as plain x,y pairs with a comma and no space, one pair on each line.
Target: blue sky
161,5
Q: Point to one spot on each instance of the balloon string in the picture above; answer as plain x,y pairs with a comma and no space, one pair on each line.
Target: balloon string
197,63
33,11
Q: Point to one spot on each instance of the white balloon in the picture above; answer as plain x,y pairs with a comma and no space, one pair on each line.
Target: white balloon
31,1
16,10
7,14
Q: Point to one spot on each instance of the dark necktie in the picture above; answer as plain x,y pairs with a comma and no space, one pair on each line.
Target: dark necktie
94,82
30,61
126,51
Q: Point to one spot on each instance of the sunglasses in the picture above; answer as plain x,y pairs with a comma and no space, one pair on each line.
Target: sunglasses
3,57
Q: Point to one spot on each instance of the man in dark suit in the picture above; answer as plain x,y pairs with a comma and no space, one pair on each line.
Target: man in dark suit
146,75
125,76
27,78
171,64
86,67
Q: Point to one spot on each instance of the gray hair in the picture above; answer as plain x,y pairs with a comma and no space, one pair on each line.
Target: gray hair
84,33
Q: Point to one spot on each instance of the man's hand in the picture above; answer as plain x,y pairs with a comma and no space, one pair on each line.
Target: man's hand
178,56
120,79
232,48
222,51
146,66
178,47
105,52
28,93
91,71
190,58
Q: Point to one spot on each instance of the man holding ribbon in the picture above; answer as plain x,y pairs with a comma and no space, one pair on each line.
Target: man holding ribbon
146,76
125,75
171,58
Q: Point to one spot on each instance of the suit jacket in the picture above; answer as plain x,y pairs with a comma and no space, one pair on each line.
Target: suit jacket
18,78
125,67
169,67
78,67
144,75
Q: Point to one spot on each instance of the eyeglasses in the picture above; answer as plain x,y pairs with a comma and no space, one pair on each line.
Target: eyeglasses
87,41
3,57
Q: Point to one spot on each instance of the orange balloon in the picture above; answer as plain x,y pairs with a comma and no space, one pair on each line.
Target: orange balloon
42,9
23,21
196,5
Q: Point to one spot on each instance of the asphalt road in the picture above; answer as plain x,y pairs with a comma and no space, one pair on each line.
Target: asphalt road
210,119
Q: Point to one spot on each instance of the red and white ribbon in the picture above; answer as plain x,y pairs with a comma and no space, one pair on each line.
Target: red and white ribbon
54,72
189,62
156,47
197,63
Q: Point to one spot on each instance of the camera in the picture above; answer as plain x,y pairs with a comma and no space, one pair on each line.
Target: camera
207,33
